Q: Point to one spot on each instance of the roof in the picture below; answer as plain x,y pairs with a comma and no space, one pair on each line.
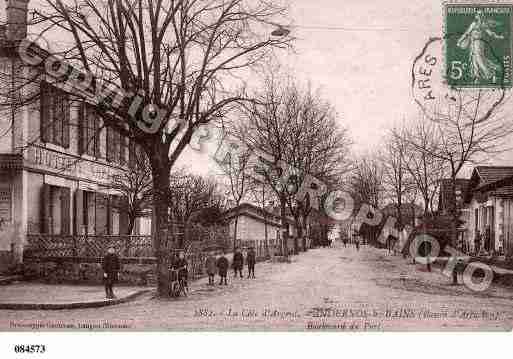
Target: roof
506,191
255,212
496,181
489,174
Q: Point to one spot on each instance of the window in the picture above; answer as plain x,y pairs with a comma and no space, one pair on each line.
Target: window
54,115
135,154
89,131
55,213
116,146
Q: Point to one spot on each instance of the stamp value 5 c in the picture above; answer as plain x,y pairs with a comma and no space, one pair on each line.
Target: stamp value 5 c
478,45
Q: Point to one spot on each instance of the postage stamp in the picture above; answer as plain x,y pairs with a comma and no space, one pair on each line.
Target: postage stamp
478,45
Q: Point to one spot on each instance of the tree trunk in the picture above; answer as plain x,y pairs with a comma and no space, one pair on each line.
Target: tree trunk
235,225
131,224
454,213
161,184
300,235
284,236
296,237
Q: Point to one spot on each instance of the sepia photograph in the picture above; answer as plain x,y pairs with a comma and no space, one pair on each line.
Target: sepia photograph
255,166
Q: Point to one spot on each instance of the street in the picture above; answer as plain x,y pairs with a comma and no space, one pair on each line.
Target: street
328,288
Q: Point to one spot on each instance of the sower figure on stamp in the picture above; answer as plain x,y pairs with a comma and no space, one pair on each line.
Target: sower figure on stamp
238,263
222,267
211,267
250,260
110,266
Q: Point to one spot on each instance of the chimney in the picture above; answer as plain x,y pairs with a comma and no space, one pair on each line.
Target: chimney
16,11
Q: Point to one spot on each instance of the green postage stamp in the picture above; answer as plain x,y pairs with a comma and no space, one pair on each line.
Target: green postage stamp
478,45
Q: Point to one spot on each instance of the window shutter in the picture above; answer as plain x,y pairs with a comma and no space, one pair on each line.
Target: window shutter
65,120
65,208
46,219
117,145
131,154
78,213
81,128
123,215
110,204
97,150
57,117
44,112
101,214
109,153
122,149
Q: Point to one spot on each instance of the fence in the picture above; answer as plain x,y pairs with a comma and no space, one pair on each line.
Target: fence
263,249
91,248
132,249
48,245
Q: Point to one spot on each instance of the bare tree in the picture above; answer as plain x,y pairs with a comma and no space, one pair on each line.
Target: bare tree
397,182
135,186
189,194
262,194
160,70
469,125
235,168
425,170
366,181
298,134
367,188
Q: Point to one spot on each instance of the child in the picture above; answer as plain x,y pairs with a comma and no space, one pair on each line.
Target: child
222,267
211,266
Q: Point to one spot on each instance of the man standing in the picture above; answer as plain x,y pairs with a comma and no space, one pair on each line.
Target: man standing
250,260
238,263
110,267
211,267
222,267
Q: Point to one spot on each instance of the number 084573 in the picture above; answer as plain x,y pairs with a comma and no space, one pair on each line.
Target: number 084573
29,348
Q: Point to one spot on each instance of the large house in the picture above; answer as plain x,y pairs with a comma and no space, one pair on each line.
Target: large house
489,207
56,160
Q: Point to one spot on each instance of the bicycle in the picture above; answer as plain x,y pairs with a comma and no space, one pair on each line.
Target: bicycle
177,285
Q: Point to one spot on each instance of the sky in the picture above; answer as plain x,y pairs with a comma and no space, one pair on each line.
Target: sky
359,53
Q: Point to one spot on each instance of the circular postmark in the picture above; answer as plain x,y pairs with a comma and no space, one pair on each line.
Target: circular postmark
464,74
443,101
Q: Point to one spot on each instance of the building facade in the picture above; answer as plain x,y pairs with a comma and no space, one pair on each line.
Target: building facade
489,211
256,225
56,160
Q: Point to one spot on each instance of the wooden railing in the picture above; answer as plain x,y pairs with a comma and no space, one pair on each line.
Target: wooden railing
88,246
263,248
91,248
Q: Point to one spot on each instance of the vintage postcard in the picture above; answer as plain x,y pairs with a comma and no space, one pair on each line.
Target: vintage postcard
250,165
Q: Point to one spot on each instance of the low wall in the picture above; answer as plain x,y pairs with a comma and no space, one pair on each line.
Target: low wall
5,261
134,271
140,271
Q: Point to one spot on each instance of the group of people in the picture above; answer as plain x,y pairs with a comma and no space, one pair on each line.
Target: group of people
220,265
213,265
355,241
